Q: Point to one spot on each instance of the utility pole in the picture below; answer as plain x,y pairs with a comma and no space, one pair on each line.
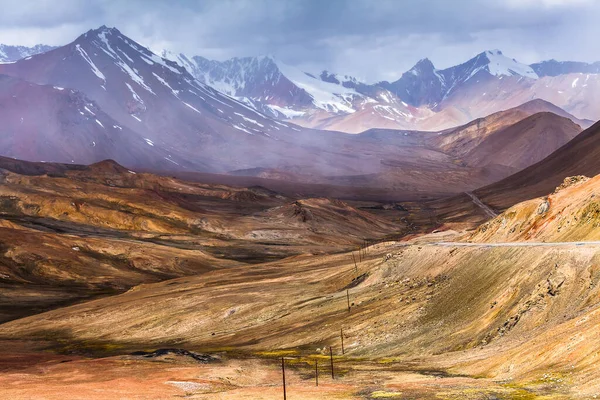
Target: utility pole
283,374
317,372
348,298
331,358
342,336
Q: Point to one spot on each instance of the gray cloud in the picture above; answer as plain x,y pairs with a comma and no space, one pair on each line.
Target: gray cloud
372,39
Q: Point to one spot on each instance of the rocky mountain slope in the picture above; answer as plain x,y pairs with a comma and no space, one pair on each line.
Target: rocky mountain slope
515,138
578,157
485,149
52,123
570,213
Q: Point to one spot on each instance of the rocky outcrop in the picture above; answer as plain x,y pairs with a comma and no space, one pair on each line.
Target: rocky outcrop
571,181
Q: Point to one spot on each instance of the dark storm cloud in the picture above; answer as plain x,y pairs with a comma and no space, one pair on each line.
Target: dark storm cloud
370,38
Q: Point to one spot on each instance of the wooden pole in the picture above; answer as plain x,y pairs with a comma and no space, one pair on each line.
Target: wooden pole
355,266
348,298
317,372
342,336
283,374
362,248
331,358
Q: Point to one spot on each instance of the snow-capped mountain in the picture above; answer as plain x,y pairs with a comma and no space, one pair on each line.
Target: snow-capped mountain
274,87
487,83
491,82
140,89
421,85
425,85
423,98
497,64
14,53
313,100
154,97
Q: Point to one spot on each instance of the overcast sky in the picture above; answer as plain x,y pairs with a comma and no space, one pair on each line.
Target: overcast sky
370,39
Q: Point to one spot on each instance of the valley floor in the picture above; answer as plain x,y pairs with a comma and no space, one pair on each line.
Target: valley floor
27,375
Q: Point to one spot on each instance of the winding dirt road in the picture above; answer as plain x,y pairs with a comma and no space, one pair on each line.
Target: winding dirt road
486,209
511,244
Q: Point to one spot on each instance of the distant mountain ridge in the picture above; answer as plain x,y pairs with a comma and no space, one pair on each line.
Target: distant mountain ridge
423,98
14,53
555,68
273,86
426,85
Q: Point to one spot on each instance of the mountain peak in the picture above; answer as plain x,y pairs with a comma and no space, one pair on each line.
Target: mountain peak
494,52
101,31
422,66
105,28
268,60
269,57
497,64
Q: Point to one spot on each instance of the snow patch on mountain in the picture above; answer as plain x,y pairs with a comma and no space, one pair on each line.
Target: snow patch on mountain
192,107
286,112
328,96
87,58
252,121
499,64
241,128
